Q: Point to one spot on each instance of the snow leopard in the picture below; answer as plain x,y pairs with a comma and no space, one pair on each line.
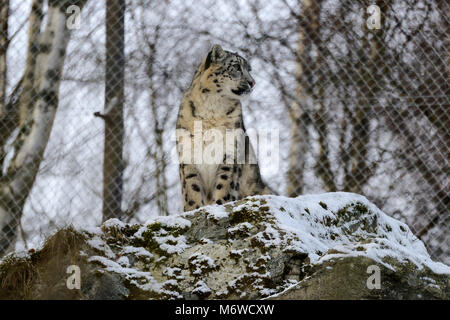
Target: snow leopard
212,103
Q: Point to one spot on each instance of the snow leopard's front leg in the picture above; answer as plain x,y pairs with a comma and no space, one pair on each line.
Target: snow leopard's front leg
227,183
192,187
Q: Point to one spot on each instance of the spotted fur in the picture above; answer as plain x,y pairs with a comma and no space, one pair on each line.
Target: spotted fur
214,98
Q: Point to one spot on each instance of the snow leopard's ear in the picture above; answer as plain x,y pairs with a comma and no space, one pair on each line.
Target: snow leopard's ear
216,54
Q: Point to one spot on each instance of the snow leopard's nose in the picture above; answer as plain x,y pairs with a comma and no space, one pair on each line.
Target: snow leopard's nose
251,83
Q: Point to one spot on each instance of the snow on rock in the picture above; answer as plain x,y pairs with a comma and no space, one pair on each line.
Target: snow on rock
136,251
339,221
260,247
200,263
101,245
171,244
201,289
113,223
171,222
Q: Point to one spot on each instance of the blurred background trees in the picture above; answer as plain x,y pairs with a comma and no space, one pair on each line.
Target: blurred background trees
113,111
357,109
33,115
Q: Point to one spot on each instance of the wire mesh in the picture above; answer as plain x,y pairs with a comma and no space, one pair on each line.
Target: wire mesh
360,97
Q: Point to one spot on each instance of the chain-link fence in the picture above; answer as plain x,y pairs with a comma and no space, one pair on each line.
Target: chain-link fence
358,91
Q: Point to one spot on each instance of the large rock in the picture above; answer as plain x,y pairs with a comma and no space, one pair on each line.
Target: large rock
329,246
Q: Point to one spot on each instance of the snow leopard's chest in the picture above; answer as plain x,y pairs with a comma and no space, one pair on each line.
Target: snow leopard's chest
208,173
213,150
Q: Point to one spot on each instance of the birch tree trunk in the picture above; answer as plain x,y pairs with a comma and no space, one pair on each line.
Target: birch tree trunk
114,97
4,16
37,121
23,95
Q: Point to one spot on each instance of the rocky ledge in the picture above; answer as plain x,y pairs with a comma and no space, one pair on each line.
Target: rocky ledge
328,246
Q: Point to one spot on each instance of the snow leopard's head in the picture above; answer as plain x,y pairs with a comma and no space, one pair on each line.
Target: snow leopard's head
227,73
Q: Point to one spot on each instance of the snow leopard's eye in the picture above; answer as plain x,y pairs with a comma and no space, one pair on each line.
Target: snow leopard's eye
237,68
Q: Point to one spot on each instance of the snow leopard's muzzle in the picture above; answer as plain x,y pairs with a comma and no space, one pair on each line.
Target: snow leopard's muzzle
244,88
